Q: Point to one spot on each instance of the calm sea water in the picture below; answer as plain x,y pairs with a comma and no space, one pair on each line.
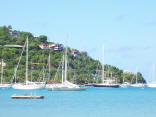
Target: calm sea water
94,102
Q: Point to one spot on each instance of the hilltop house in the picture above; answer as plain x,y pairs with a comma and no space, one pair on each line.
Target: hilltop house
55,47
127,72
14,34
75,53
2,64
43,46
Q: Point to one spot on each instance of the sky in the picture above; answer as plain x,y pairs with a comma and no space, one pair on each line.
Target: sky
127,28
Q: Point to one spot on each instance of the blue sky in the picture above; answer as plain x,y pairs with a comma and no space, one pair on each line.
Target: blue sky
127,28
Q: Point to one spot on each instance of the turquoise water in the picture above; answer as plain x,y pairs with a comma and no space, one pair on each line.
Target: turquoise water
94,102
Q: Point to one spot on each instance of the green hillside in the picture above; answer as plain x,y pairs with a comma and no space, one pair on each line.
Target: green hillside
82,68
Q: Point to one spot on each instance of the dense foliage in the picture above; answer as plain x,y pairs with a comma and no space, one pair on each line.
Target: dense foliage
82,69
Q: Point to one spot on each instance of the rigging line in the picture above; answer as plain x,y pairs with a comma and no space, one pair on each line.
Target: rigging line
39,77
132,79
14,76
58,69
97,71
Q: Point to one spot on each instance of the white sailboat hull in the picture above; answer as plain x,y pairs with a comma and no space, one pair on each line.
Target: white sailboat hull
27,86
152,85
5,85
66,86
137,85
124,85
51,86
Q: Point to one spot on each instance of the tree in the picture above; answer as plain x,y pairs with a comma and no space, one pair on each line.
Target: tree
42,39
9,27
80,69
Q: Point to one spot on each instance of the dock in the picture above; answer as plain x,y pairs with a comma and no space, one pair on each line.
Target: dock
26,97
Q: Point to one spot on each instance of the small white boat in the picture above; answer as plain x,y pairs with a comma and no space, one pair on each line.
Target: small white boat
125,85
137,85
136,82
2,84
153,84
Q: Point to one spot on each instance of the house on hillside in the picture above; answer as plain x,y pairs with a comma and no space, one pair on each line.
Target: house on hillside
35,36
2,64
51,46
55,47
127,72
14,34
43,46
75,53
58,47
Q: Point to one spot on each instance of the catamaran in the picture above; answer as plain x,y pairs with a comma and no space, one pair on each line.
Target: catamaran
2,84
28,85
65,85
106,83
153,83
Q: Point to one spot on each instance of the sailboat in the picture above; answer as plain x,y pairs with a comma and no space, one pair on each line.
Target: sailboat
124,84
65,85
153,84
108,83
3,85
49,85
28,85
136,82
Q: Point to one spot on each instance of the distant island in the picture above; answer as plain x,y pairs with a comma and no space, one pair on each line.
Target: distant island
82,68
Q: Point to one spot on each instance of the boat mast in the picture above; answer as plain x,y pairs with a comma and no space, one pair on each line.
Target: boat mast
31,73
112,76
15,71
27,62
153,74
43,74
66,61
62,68
2,71
49,68
136,76
123,78
103,75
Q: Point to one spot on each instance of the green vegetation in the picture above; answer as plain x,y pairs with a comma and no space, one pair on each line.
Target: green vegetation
81,68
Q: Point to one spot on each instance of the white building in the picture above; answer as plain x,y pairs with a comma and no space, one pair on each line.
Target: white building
4,64
127,72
